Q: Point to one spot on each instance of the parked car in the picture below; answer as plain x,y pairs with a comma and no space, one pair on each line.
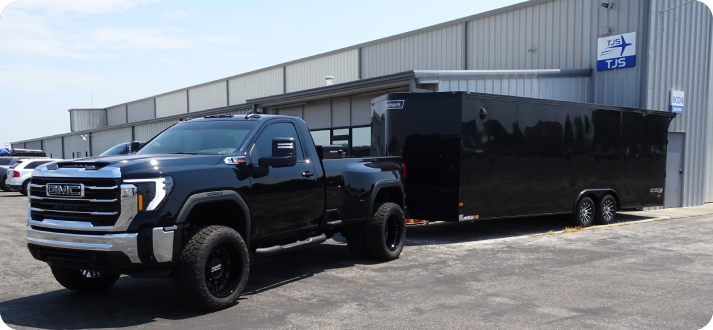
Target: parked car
19,175
123,148
198,197
11,158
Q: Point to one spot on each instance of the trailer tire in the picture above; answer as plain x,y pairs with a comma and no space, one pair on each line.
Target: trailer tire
386,232
82,280
356,241
606,210
584,213
213,268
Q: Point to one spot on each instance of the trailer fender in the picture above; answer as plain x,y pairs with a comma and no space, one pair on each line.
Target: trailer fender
596,194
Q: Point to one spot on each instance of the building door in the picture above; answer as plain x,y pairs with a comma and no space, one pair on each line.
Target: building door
673,193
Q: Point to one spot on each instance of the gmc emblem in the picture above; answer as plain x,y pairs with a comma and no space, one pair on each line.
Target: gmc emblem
66,190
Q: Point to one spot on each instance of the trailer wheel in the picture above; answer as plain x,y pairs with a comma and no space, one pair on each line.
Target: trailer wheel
584,213
83,280
606,210
386,232
356,241
213,268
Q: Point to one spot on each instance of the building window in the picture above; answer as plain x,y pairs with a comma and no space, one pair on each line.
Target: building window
322,137
356,140
361,142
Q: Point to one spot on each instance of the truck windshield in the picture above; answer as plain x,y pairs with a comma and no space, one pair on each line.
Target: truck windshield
200,137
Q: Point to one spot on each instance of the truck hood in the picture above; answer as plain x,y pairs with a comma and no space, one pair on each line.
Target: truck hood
142,165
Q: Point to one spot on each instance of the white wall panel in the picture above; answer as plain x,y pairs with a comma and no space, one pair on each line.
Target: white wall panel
37,145
140,111
208,97
265,83
318,114
75,147
116,115
53,147
86,119
434,50
146,132
103,140
343,67
172,104
574,89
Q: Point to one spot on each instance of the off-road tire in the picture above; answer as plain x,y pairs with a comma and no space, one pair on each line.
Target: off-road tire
75,280
356,241
24,190
584,213
386,232
191,276
606,210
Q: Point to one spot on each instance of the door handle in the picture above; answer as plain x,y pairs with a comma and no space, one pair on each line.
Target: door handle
307,174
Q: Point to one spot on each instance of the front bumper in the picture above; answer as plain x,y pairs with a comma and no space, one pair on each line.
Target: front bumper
124,243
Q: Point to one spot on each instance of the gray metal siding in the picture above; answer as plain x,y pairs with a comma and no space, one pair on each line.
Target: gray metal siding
86,119
265,83
310,74
18,145
172,104
680,44
562,34
75,144
116,115
575,89
295,111
441,49
140,111
341,112
361,110
53,147
317,114
103,140
148,131
37,145
208,97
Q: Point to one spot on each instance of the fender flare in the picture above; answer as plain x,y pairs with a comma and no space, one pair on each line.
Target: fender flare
380,185
598,193
216,196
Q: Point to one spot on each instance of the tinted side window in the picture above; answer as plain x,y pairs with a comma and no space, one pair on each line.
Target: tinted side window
35,164
4,161
263,145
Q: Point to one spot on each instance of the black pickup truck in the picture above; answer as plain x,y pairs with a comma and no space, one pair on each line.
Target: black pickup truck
198,198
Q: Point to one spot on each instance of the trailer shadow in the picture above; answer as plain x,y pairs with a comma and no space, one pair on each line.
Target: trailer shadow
135,302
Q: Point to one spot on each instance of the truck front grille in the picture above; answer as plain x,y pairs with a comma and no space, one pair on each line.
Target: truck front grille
100,205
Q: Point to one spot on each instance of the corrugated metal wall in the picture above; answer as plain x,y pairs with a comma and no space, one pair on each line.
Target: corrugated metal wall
17,145
680,60
265,83
140,111
37,145
53,147
172,104
318,114
86,119
574,89
341,112
343,67
709,132
116,115
75,147
361,109
208,97
435,50
103,140
147,131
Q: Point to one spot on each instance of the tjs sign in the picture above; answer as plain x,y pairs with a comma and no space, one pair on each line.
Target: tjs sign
616,52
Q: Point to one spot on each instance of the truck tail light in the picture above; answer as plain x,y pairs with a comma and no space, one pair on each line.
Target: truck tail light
403,172
15,174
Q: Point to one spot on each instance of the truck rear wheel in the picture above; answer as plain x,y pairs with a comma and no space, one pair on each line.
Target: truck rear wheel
584,213
386,233
83,280
213,268
606,210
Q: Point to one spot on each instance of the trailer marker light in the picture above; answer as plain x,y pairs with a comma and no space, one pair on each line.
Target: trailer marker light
467,217
460,204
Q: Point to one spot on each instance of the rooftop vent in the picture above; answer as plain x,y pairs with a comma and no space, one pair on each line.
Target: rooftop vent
329,80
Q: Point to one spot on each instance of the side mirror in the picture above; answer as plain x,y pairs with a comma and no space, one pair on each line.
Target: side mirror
134,146
283,154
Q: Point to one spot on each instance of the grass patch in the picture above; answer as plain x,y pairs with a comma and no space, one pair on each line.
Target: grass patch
572,230
549,233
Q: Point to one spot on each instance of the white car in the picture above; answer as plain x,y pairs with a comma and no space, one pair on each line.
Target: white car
19,175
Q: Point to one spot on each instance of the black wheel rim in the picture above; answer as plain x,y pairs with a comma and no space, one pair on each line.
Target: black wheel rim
586,212
392,232
223,270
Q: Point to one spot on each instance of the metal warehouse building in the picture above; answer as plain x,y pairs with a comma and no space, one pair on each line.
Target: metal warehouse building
548,49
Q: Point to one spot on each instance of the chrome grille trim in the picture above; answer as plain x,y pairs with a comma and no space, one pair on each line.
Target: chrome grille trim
74,199
100,188
76,212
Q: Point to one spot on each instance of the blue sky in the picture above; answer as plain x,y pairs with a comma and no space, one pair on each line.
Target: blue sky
61,54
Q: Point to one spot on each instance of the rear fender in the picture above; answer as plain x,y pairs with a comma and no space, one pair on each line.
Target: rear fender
386,184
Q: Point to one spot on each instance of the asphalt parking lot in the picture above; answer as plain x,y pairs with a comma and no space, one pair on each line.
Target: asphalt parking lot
489,274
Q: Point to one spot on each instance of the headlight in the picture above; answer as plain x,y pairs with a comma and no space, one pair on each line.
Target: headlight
151,192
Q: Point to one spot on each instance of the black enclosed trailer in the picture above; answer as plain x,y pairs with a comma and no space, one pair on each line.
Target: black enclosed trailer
470,156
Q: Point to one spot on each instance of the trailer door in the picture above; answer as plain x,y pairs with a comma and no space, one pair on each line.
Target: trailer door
673,193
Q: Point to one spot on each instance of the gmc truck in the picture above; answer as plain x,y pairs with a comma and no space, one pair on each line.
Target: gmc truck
197,199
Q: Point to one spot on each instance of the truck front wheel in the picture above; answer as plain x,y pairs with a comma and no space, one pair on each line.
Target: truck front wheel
83,280
213,268
385,234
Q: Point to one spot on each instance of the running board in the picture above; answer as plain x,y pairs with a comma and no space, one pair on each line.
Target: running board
296,245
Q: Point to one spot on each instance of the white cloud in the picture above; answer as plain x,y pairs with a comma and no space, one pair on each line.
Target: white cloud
177,14
215,39
81,6
140,38
30,79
